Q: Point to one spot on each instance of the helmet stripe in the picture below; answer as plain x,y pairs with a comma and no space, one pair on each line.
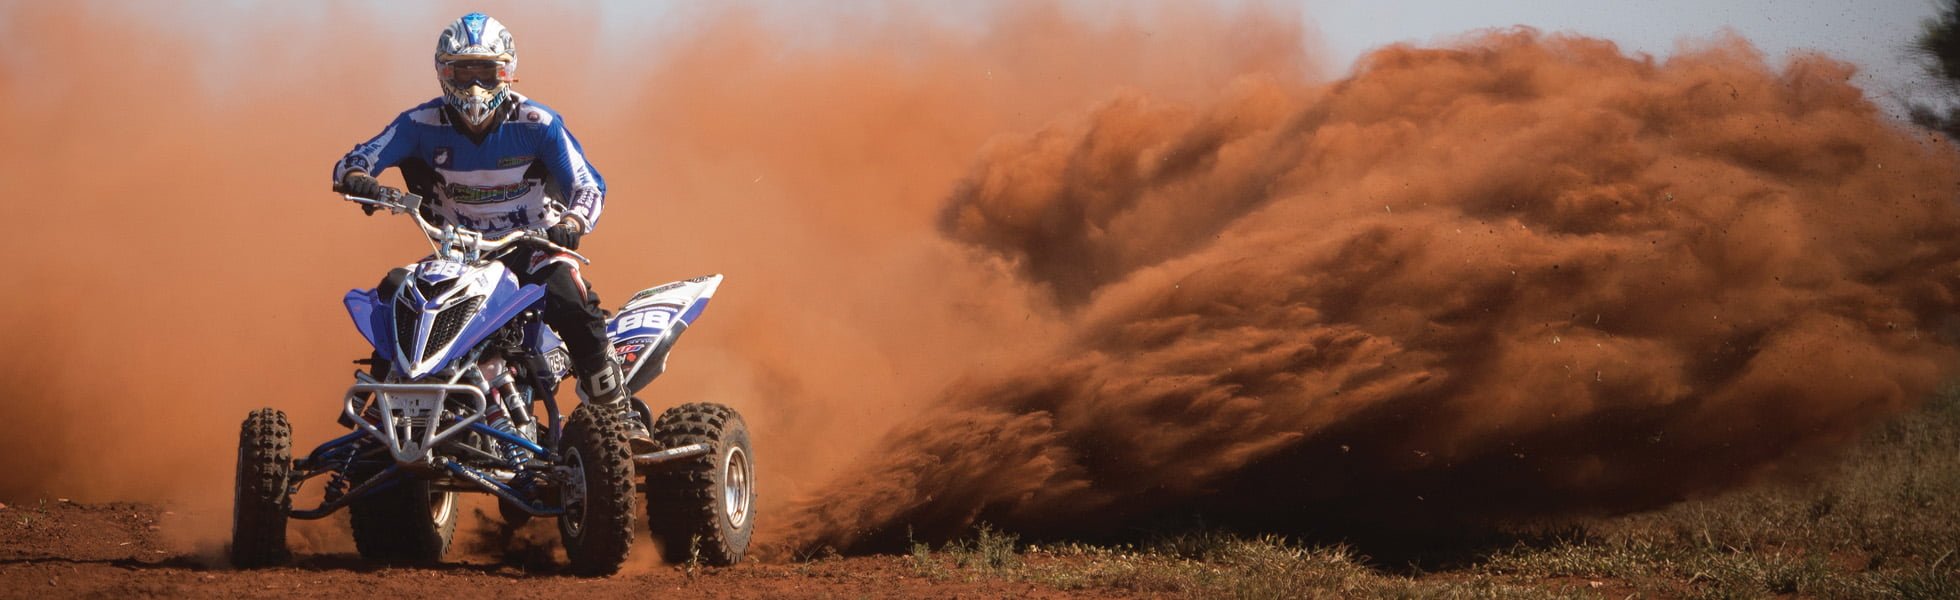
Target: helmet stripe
473,24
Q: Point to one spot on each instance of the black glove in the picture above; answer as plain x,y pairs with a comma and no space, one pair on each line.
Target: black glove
362,185
566,233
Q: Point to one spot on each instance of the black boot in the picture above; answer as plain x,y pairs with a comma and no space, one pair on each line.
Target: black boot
601,382
605,386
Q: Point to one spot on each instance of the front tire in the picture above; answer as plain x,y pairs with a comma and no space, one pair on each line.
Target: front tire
597,527
408,523
260,501
703,508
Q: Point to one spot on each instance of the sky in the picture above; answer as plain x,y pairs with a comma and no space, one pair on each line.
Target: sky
1868,33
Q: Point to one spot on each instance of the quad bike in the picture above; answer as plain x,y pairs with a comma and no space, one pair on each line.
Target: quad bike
451,408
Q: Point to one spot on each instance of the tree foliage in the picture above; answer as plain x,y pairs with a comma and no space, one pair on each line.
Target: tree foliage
1938,50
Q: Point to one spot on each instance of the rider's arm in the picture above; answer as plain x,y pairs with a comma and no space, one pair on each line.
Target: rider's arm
385,150
581,186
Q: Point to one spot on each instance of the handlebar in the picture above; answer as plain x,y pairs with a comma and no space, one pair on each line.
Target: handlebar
398,201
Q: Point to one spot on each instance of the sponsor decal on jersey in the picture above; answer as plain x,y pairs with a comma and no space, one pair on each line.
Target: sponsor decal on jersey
470,194
586,198
494,223
442,156
531,115
512,161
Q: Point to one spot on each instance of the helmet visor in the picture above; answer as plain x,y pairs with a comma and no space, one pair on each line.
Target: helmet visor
465,73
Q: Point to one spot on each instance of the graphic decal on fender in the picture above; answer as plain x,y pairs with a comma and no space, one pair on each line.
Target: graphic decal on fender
629,350
654,318
558,360
652,292
439,270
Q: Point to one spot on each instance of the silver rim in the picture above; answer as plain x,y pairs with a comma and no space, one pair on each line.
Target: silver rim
574,493
442,507
735,492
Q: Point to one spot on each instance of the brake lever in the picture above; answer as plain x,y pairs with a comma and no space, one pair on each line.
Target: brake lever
393,208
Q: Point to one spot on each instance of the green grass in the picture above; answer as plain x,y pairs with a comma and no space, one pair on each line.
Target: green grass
1884,522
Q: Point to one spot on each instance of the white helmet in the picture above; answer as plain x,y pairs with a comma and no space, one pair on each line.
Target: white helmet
475,61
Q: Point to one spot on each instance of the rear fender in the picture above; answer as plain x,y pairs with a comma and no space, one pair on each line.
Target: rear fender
645,329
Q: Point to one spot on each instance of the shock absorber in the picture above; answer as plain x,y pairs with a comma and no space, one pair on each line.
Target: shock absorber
515,402
337,484
498,377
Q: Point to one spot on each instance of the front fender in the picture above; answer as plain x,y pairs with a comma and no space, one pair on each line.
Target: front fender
371,318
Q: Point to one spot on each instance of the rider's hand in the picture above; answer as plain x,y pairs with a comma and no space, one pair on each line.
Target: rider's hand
362,185
566,233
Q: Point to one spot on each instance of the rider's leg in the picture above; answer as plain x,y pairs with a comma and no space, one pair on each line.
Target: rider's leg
571,308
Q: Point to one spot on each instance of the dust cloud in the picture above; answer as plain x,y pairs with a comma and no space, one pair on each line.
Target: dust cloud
1518,275
1052,271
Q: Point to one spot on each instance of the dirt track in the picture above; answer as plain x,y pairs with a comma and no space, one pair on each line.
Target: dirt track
62,549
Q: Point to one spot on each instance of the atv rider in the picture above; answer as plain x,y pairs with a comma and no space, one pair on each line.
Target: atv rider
494,161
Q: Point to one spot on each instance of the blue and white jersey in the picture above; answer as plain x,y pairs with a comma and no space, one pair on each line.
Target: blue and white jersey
527,172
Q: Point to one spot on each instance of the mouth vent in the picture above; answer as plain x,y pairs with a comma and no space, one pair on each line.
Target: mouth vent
449,323
406,320
433,289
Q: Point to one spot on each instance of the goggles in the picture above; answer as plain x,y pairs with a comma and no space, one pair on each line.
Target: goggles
465,73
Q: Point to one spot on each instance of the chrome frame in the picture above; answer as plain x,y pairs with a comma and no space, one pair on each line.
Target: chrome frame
423,408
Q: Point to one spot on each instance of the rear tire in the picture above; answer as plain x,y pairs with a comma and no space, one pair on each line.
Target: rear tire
703,508
408,523
597,527
260,501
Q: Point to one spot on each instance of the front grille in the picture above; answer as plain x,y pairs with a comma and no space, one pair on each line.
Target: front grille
433,289
406,320
450,322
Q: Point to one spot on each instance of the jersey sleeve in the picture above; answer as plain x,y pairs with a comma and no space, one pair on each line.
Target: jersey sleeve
385,150
579,182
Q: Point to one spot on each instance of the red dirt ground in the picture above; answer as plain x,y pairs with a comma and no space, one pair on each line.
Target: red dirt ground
62,549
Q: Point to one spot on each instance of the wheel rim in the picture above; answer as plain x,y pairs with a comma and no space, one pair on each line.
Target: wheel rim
574,494
735,490
442,507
